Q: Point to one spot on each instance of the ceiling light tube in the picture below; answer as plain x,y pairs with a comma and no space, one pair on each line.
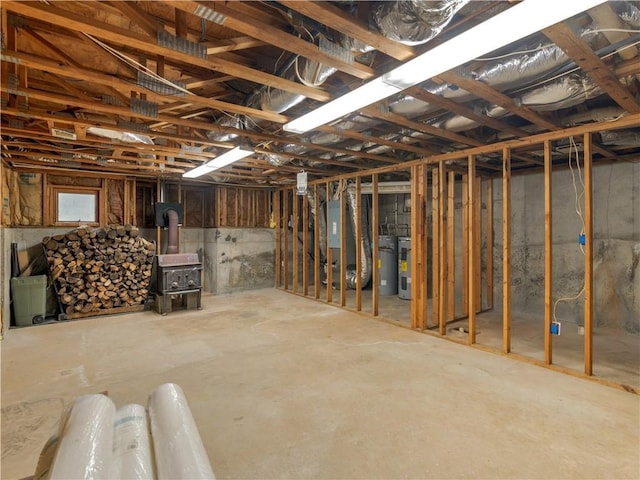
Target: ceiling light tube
362,96
513,24
223,160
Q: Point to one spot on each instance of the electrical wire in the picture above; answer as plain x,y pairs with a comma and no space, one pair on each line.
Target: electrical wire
578,196
137,65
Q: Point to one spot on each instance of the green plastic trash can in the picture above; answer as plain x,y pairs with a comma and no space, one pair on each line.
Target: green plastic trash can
29,296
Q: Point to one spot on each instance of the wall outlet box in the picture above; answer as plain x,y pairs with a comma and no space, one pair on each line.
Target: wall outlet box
582,240
555,328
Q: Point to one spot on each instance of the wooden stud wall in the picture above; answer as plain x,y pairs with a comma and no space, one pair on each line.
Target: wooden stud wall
476,240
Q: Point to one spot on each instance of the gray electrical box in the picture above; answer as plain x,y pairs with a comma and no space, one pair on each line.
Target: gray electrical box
333,224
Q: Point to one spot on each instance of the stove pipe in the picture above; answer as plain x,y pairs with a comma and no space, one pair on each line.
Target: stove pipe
172,233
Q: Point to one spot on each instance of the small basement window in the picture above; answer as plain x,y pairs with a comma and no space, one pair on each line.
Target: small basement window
75,206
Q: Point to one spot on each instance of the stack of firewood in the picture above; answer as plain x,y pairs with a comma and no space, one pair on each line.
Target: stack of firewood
102,268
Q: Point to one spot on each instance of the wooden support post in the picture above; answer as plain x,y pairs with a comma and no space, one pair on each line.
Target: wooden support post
478,242
358,234
329,253
442,249
506,250
343,245
435,246
588,256
285,217
305,245
317,280
472,232
451,246
278,218
465,245
295,222
375,245
418,248
489,247
548,251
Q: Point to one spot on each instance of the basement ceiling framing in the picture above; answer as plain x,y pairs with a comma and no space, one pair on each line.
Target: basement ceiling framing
154,89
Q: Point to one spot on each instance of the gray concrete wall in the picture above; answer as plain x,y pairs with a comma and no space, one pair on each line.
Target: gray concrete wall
233,258
237,259
616,246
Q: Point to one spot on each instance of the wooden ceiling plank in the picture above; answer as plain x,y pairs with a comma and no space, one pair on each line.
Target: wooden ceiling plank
581,53
482,90
255,136
459,109
141,18
120,85
420,127
277,37
124,37
338,19
232,44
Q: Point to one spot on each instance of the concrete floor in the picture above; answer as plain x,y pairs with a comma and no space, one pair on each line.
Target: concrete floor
616,353
285,387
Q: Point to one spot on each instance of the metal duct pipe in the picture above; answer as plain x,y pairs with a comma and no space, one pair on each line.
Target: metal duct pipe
311,74
321,218
363,243
625,138
172,233
563,93
631,15
596,115
414,22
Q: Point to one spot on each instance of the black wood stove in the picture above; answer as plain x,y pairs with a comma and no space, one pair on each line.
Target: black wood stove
178,274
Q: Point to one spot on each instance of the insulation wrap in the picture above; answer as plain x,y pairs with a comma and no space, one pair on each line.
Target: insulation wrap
132,458
86,440
177,445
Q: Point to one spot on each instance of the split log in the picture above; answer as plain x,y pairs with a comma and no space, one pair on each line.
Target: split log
100,269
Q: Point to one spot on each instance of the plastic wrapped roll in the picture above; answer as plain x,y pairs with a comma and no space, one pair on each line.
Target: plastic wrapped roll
85,440
177,445
132,457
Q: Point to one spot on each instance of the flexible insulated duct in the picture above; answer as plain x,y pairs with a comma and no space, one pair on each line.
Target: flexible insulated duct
311,73
414,22
563,93
319,215
624,138
362,243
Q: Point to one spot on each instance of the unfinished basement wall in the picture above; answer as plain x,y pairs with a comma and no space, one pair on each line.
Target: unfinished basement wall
236,259
616,207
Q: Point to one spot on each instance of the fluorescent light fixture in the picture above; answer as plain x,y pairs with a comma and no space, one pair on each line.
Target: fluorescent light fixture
360,97
519,21
223,160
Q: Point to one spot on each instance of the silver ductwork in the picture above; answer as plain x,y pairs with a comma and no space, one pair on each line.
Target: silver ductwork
363,243
232,121
320,217
631,14
562,93
624,138
605,114
414,22
308,72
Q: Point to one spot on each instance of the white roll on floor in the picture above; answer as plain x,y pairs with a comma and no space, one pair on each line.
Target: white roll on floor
132,457
86,440
178,448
